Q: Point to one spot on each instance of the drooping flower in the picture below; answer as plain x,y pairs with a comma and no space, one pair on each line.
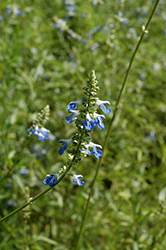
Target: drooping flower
89,123
41,133
73,116
103,107
76,180
99,121
97,153
51,180
64,146
73,105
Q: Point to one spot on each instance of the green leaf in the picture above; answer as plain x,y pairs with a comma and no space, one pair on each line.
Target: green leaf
45,239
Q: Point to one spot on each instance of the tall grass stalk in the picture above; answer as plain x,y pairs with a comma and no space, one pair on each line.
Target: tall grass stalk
144,31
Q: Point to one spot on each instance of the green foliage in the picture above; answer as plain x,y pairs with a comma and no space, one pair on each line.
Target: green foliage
41,65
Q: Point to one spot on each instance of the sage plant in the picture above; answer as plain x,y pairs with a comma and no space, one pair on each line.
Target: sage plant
84,114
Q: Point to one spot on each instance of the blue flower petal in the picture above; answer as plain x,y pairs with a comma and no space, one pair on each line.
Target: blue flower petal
104,109
100,123
89,124
88,152
42,133
45,133
64,146
97,153
51,180
76,180
73,105
41,138
70,118
29,131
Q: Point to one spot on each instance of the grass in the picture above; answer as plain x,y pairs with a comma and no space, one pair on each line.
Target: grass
40,65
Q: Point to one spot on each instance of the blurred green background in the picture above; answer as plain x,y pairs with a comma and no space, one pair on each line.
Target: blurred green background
47,49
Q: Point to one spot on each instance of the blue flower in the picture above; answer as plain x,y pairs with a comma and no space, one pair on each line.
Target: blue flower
89,123
73,105
97,153
99,121
69,3
42,133
9,185
76,180
51,180
103,107
64,146
24,171
18,13
61,24
94,46
73,116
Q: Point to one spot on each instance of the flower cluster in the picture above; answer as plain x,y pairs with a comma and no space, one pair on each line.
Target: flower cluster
62,25
93,31
84,113
41,133
37,128
70,8
85,116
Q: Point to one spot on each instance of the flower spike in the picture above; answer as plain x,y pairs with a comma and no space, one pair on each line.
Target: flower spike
85,117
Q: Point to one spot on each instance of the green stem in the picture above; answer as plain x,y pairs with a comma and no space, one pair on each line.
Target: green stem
112,120
60,178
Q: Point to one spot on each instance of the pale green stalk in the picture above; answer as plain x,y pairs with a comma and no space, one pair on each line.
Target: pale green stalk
144,31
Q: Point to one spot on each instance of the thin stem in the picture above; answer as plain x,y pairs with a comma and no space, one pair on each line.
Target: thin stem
112,120
37,196
25,205
60,178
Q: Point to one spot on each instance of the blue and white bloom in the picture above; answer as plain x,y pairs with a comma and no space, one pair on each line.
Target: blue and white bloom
89,123
97,153
24,171
73,116
99,121
103,107
76,180
61,24
64,146
51,180
41,133
73,105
